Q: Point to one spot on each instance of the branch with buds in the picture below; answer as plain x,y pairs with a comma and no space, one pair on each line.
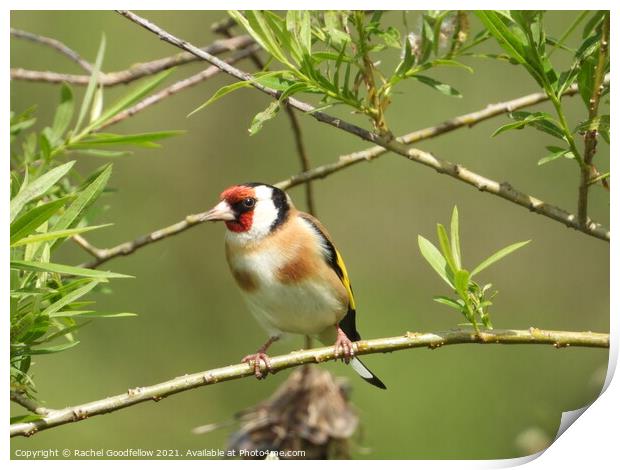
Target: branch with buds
501,189
134,396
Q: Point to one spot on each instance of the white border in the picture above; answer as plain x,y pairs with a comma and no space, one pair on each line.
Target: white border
589,442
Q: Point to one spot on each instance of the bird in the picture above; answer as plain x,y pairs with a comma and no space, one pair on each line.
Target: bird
289,272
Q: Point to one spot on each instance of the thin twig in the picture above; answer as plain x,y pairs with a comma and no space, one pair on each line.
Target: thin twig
126,248
224,29
587,172
504,190
177,87
559,339
29,404
135,71
54,44
87,246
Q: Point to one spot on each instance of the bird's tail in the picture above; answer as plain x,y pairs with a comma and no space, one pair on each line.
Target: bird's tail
366,374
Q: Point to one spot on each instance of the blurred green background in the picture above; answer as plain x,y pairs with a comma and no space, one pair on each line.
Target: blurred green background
466,401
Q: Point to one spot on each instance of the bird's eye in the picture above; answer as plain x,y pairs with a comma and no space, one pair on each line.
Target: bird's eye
249,202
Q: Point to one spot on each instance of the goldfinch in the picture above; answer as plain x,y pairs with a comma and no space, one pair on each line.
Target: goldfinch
289,272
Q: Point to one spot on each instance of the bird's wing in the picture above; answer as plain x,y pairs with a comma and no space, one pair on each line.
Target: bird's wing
335,261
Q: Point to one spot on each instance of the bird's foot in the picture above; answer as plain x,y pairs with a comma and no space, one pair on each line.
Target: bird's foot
255,361
343,349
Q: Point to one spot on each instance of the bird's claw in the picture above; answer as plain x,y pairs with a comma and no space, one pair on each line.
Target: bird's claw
255,361
343,349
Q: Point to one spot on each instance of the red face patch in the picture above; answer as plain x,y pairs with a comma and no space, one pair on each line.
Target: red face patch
242,224
234,196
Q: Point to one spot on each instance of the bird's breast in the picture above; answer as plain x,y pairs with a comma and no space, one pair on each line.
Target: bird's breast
288,290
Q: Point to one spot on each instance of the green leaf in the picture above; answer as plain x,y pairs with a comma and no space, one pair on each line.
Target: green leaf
540,120
146,139
64,112
104,153
511,42
497,256
447,301
64,269
28,222
92,85
220,93
555,155
42,237
91,314
131,98
269,113
435,259
53,349
70,297
37,188
444,244
455,242
437,85
461,283
83,201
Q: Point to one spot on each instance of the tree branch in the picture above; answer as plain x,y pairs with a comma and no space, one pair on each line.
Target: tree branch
135,71
587,170
345,161
54,44
503,190
156,392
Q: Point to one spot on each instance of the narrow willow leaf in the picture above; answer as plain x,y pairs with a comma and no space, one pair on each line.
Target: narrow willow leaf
512,43
53,349
83,201
145,139
444,244
555,155
461,283
498,255
455,241
131,98
437,85
92,85
37,188
64,112
97,107
36,266
447,301
70,297
28,222
269,113
91,314
104,153
220,93
451,63
435,259
42,237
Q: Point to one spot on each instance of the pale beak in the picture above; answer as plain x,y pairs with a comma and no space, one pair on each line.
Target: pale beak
222,211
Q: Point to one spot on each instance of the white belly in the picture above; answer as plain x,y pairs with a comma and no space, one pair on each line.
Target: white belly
306,308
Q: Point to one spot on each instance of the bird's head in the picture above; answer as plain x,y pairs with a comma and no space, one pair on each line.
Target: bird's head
252,209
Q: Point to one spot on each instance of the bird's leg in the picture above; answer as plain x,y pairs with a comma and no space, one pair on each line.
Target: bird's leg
261,355
343,346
